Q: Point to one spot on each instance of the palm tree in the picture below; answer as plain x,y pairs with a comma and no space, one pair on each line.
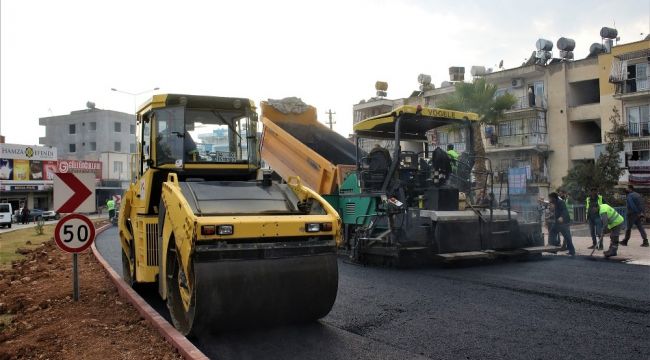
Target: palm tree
479,97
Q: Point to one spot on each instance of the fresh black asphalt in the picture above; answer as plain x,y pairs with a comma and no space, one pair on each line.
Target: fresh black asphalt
553,308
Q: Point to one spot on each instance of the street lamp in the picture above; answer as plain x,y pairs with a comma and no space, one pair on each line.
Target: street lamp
135,95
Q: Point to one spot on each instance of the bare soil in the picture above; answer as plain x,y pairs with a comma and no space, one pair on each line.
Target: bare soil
39,319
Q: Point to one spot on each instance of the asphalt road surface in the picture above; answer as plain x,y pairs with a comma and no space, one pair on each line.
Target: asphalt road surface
554,308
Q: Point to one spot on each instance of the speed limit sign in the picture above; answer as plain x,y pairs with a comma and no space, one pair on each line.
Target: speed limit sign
74,233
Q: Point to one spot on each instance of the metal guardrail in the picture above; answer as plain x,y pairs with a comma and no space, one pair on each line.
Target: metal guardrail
535,213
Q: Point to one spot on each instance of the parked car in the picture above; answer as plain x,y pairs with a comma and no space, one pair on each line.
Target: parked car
35,214
5,215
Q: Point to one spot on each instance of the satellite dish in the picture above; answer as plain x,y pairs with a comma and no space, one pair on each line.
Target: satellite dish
90,105
501,64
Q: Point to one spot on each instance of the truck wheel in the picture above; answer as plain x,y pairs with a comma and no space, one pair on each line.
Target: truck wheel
182,315
127,274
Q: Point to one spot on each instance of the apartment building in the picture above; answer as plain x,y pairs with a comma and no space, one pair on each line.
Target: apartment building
560,118
624,78
95,135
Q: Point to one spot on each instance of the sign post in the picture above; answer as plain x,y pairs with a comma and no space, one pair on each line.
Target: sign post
75,232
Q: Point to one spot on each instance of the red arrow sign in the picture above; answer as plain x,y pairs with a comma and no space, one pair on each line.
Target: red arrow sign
81,192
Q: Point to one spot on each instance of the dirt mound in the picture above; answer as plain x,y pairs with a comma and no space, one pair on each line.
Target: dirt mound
39,320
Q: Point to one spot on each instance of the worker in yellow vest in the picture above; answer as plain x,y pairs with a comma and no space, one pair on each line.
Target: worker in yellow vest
453,156
612,221
110,205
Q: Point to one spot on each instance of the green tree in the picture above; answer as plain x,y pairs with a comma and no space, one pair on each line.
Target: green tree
479,97
605,171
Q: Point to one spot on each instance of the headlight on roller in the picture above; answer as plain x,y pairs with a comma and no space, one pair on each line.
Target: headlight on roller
316,227
217,229
225,229
312,227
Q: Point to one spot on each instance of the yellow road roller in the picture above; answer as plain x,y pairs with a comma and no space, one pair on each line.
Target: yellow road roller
227,246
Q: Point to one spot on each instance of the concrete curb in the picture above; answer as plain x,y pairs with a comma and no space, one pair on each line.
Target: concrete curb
180,342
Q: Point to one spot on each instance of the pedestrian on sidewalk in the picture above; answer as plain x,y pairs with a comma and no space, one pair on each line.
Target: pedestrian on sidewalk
592,204
613,222
635,215
562,222
25,215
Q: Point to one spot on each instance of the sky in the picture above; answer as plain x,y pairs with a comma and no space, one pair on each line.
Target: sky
57,55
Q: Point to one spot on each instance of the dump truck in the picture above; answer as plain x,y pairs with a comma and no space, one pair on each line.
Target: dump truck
401,208
225,246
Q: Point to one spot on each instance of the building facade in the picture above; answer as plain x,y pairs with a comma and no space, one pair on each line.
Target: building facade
104,136
26,173
624,77
561,117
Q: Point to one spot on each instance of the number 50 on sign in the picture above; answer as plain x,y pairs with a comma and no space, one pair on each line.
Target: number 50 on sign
74,233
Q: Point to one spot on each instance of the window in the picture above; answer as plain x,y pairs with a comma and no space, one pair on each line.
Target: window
132,129
132,148
92,126
118,127
638,118
117,146
117,167
504,128
204,136
93,146
72,148
73,129
641,77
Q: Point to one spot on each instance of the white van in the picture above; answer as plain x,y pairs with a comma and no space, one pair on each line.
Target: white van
5,215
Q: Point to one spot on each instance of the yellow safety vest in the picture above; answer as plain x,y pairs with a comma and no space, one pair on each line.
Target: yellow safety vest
613,217
454,158
600,201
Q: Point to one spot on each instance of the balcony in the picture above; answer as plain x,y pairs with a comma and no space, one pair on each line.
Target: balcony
584,112
639,172
632,89
582,152
638,129
524,103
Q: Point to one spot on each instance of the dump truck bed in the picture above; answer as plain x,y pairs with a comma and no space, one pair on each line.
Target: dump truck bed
294,143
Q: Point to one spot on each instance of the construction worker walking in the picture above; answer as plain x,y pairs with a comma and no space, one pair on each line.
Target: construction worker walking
110,205
612,221
634,214
561,225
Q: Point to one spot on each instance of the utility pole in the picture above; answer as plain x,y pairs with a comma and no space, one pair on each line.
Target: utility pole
330,113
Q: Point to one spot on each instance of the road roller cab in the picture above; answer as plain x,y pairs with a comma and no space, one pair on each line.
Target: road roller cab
226,247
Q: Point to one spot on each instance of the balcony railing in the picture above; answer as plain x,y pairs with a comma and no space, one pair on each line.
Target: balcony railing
632,86
530,139
524,102
638,129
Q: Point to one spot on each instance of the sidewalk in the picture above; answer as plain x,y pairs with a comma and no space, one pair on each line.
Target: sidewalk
633,253
33,224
